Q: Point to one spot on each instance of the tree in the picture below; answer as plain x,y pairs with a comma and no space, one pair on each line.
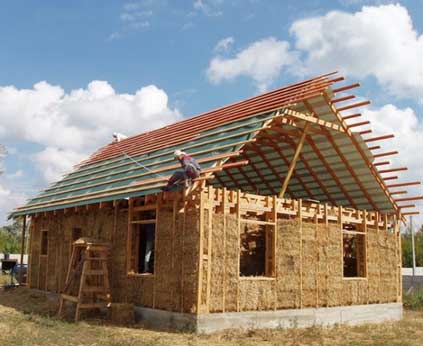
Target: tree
10,237
407,257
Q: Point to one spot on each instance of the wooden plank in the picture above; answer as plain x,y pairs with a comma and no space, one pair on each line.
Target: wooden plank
156,245
129,236
294,161
200,254
312,120
225,211
144,222
238,218
209,247
300,219
22,249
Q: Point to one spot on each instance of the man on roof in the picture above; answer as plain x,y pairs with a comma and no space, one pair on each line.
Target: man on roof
191,170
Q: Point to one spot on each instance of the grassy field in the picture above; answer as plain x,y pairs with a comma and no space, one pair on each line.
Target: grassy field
27,318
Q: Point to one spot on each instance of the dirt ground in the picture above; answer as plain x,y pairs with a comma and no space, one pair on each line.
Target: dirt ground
28,318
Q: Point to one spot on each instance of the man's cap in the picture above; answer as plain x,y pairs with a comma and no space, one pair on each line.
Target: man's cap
178,152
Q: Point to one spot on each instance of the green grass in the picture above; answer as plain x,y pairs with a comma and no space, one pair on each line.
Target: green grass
414,300
28,318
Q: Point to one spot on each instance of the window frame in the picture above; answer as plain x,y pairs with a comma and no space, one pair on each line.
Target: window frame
269,251
359,231
44,243
135,219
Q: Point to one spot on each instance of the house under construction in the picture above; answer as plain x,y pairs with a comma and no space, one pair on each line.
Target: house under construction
293,221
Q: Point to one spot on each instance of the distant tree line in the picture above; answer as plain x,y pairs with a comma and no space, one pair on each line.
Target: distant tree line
10,237
407,257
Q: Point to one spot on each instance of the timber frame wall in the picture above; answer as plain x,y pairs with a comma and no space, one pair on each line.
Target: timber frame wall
198,247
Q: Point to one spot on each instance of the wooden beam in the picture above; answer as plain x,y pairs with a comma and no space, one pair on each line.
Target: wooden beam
382,163
22,250
343,98
398,192
406,199
307,166
390,178
404,184
365,132
389,153
411,213
358,124
313,120
390,170
274,145
354,105
407,206
351,116
345,87
380,138
294,161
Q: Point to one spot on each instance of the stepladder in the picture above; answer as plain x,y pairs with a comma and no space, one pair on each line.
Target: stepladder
87,281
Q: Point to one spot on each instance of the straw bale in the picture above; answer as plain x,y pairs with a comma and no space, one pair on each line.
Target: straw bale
256,295
309,259
218,265
232,253
288,264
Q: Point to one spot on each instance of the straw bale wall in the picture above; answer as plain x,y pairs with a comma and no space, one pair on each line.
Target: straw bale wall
173,286
309,262
309,269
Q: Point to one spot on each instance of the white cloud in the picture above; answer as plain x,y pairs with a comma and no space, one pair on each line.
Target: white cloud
263,61
69,126
224,44
408,140
378,41
210,8
8,200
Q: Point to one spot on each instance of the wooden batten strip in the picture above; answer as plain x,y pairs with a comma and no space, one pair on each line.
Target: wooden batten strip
407,199
351,116
345,88
228,112
140,160
380,138
390,153
357,145
365,132
343,98
411,213
381,163
121,190
354,105
390,170
404,184
359,124
374,147
398,192
180,128
138,175
407,206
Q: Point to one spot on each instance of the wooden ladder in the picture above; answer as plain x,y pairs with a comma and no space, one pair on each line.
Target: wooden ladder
88,265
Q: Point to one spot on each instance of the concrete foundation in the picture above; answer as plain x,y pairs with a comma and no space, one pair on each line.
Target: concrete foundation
210,323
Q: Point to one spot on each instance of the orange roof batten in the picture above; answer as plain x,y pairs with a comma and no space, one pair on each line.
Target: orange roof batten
189,128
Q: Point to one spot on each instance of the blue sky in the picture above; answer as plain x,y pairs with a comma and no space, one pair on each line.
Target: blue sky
169,50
